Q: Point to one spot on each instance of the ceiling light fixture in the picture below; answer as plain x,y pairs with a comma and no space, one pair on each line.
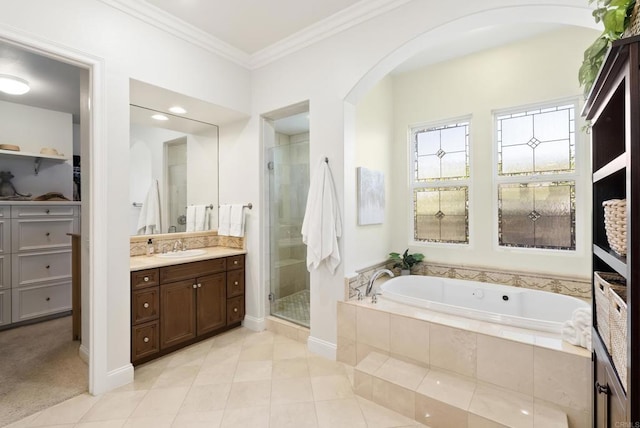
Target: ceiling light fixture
13,85
159,117
177,110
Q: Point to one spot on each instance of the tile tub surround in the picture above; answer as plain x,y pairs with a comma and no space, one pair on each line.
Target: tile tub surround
138,244
575,287
539,367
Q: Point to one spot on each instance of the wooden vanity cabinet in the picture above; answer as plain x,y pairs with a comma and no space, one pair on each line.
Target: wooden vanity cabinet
194,301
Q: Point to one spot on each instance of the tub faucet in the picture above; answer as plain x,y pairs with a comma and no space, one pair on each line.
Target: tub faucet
375,276
177,245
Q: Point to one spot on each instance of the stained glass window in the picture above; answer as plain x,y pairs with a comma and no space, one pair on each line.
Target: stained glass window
540,215
441,214
536,141
442,152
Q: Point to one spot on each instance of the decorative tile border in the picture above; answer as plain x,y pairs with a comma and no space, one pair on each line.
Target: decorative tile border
138,244
556,284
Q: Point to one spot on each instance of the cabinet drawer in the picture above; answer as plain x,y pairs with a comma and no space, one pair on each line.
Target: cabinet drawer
5,236
5,272
235,283
145,305
5,211
5,307
35,268
48,234
38,301
191,270
235,310
235,262
144,278
145,340
43,211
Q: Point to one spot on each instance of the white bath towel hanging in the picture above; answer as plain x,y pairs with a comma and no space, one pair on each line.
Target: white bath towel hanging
236,220
149,219
322,224
200,218
224,224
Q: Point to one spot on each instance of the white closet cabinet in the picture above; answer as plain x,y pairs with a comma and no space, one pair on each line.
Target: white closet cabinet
41,259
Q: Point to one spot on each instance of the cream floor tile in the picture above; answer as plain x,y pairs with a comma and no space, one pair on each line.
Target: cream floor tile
404,374
67,412
331,387
173,377
293,390
192,355
206,398
112,423
215,374
339,414
290,368
257,352
260,338
293,415
283,350
247,371
226,353
249,394
149,422
377,416
211,419
319,366
114,405
162,402
251,417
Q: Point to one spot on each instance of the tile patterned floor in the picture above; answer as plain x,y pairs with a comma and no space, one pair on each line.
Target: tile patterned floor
240,378
294,308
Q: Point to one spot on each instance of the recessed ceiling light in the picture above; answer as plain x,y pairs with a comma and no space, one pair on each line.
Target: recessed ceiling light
159,117
13,85
177,110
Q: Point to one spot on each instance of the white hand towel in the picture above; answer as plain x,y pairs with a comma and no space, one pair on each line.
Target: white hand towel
570,334
200,217
224,224
577,330
236,220
322,225
149,219
191,219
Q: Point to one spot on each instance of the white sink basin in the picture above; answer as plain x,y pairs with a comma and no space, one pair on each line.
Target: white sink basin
182,254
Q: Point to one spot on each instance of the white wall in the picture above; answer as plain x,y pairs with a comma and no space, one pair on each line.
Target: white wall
32,129
538,70
123,47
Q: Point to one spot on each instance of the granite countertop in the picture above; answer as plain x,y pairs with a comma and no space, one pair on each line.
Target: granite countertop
150,262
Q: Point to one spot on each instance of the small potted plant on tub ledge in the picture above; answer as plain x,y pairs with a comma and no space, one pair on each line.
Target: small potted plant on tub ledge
405,261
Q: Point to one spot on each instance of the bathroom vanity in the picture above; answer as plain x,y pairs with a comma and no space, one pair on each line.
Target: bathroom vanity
176,302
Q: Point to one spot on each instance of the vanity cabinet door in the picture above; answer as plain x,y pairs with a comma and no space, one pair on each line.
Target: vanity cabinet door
144,340
145,305
235,283
177,313
235,310
211,303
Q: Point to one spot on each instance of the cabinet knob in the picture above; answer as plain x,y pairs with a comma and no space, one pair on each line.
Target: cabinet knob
235,309
195,286
146,279
199,285
48,299
47,211
47,266
145,340
235,283
48,234
146,305
235,262
602,389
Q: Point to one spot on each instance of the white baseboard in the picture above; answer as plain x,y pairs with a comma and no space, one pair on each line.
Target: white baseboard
117,378
255,324
322,347
83,353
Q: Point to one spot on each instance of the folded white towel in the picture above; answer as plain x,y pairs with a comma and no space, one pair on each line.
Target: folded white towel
577,330
191,219
149,218
200,218
224,224
322,225
236,220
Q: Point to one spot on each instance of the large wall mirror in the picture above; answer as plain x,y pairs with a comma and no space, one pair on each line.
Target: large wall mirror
173,163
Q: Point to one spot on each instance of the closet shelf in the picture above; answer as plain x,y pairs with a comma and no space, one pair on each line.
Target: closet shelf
617,164
37,157
618,263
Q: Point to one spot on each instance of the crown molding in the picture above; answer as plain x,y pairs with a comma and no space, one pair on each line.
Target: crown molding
334,24
164,21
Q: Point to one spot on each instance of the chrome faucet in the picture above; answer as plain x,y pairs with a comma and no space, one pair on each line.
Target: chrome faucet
375,276
177,245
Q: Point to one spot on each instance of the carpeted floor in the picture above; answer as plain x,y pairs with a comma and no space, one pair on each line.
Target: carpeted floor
39,367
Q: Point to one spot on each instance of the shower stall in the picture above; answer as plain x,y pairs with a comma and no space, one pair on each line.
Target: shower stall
288,170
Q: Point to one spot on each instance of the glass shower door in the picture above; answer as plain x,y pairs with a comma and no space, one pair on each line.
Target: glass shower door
288,188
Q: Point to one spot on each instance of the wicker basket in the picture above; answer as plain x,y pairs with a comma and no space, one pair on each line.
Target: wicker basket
618,328
633,29
603,281
615,224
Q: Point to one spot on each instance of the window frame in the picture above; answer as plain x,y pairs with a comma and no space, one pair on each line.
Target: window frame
541,177
457,182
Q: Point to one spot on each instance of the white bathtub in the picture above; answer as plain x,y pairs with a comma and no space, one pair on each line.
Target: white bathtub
519,307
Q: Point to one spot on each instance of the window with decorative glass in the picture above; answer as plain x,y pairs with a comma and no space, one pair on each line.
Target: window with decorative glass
440,177
536,177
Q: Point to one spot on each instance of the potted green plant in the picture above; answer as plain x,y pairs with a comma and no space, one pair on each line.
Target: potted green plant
405,261
615,15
